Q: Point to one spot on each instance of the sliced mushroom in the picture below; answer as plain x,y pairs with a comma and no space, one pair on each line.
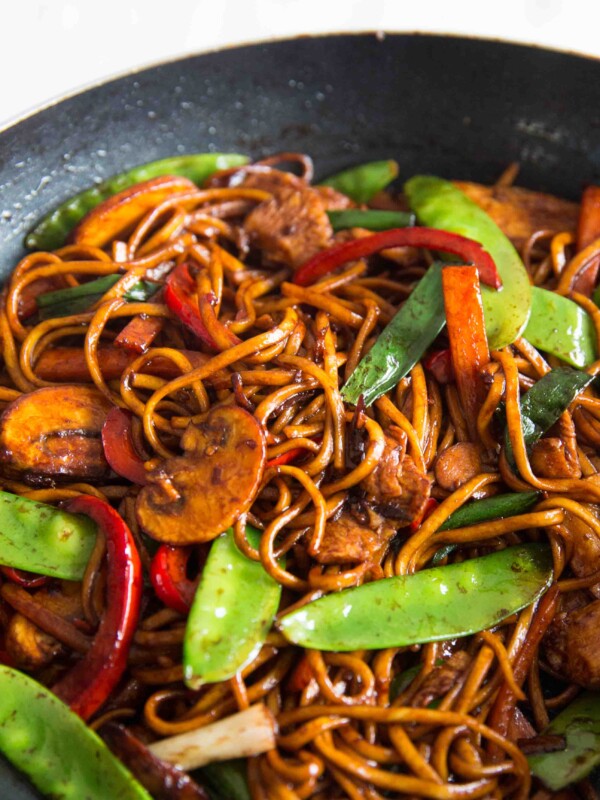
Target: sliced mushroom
195,497
115,216
53,433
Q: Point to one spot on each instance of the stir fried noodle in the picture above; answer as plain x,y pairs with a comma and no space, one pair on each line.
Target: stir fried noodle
343,494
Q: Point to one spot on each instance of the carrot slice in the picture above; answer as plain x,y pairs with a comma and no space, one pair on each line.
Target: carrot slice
117,215
468,342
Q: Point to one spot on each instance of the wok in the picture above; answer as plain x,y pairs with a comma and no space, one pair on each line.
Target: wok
458,107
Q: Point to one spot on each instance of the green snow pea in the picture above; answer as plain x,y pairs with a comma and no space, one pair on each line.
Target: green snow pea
62,757
77,299
363,182
369,218
402,342
52,231
559,326
432,605
226,780
232,612
579,723
542,405
439,204
43,539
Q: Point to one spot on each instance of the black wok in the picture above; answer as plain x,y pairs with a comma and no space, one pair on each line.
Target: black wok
453,106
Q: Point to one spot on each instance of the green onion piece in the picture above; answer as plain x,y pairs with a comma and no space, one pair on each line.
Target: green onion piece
370,219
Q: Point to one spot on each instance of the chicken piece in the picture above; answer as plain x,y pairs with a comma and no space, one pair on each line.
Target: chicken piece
195,497
571,644
440,680
585,559
355,536
332,199
549,458
29,646
396,488
456,465
293,224
119,213
521,212
54,433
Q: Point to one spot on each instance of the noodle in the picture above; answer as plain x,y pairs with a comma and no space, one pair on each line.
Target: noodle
436,720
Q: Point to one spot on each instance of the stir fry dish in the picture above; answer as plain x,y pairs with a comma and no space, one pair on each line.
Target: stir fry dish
300,488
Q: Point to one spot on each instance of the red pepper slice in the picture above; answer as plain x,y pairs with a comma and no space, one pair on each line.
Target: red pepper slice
301,676
28,580
180,298
467,250
439,363
87,686
119,449
428,509
197,313
168,574
287,457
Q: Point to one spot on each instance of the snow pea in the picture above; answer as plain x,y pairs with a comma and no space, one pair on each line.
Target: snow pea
439,204
42,539
61,756
226,780
232,612
402,342
579,723
52,231
77,299
369,218
432,605
559,326
363,182
542,405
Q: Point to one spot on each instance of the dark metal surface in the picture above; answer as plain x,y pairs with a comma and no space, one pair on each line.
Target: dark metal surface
462,108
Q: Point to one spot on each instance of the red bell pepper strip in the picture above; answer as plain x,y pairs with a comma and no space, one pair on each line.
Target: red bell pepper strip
87,686
468,341
180,298
588,229
439,363
119,449
168,574
287,457
197,313
28,580
301,676
467,250
428,509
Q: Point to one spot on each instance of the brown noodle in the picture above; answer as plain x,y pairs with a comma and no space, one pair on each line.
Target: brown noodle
348,732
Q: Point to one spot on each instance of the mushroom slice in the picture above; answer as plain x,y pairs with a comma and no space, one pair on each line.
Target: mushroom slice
117,215
195,497
54,432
